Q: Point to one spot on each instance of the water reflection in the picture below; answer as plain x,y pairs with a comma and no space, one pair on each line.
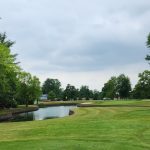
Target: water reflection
44,113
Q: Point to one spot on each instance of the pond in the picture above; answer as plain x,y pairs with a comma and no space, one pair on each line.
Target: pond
44,113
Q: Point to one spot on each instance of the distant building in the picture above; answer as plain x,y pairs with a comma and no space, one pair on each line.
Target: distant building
44,97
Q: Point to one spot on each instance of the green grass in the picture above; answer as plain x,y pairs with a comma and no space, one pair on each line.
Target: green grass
123,102
100,128
99,102
55,103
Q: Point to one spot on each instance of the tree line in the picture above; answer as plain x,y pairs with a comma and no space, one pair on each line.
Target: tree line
115,88
52,87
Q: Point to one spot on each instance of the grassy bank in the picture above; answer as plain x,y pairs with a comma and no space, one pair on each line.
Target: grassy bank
58,103
19,109
97,102
104,128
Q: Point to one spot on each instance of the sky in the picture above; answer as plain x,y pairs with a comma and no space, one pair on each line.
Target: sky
81,42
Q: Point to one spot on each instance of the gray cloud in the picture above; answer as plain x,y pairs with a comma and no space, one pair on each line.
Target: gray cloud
76,36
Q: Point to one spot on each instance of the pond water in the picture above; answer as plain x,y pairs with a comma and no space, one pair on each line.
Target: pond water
44,113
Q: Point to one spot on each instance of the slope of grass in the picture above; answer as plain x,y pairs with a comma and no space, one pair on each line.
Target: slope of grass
114,128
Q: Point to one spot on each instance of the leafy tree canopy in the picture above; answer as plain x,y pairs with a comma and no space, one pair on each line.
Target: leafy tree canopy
109,89
51,85
117,87
8,76
85,92
123,86
70,93
28,88
142,88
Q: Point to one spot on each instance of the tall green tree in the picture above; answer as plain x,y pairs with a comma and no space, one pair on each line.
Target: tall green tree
96,95
123,86
23,95
117,87
84,92
148,45
35,89
52,85
70,93
8,76
109,89
142,88
29,89
15,84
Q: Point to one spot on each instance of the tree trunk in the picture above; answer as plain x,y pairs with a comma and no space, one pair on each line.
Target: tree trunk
26,103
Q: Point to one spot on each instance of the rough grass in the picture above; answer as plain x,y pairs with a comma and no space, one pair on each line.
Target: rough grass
100,128
56,103
98,102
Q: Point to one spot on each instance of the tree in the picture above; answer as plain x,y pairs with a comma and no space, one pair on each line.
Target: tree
70,93
52,85
91,94
23,94
4,41
51,95
142,88
84,93
109,89
14,84
35,89
96,95
123,86
148,45
28,89
8,76
117,87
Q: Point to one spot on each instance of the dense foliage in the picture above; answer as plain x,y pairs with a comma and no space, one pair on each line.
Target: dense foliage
28,88
123,86
8,73
142,88
109,89
70,93
16,86
52,88
117,87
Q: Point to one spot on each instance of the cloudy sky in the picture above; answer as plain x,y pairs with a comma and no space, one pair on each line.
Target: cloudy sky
82,42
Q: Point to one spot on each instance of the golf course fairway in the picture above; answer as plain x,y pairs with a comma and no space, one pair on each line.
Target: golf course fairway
91,128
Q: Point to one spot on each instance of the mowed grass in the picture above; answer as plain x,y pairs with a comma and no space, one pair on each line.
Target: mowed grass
96,128
123,102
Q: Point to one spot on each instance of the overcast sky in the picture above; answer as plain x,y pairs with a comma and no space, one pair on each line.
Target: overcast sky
81,42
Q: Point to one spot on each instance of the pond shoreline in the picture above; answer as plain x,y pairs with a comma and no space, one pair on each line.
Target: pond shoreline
9,113
14,111
57,104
